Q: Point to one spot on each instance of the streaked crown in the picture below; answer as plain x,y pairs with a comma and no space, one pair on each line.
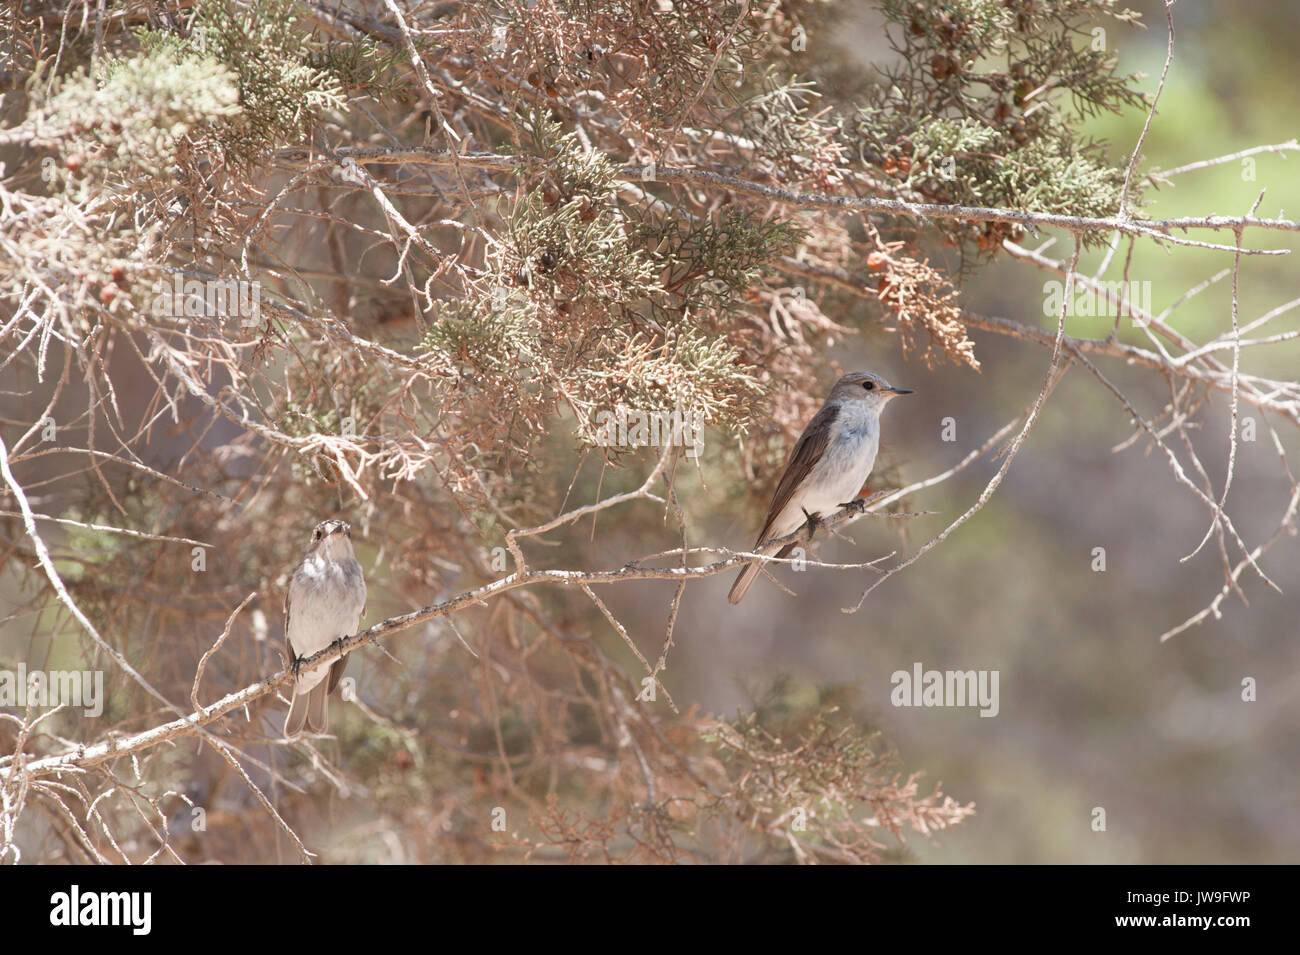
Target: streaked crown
865,386
334,537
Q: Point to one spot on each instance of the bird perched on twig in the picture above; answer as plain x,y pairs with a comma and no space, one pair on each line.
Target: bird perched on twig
326,598
828,467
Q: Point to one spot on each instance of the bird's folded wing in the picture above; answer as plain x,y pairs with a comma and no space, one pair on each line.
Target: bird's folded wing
807,452
292,653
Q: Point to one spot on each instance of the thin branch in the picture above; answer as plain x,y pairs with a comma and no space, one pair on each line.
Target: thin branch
1146,126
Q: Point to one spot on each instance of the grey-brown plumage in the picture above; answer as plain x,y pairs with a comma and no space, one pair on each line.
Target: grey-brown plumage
326,598
829,464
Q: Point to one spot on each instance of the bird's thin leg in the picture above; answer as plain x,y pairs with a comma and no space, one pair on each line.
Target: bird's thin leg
295,667
858,505
814,522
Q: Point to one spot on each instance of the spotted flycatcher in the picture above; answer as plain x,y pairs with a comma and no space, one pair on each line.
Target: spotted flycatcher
326,598
828,467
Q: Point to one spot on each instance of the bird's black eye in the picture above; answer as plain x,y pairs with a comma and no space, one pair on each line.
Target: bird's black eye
316,536
868,385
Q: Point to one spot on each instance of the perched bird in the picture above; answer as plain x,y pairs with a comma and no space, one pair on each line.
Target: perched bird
828,467
326,598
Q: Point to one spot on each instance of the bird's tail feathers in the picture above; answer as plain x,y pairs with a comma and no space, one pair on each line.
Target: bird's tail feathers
750,573
309,708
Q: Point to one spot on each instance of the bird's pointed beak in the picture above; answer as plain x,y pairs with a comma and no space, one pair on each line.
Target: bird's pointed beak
901,391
